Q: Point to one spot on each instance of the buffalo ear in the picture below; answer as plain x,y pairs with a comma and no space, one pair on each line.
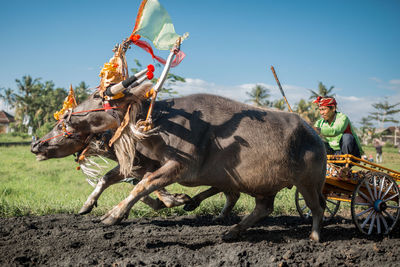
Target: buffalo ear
140,92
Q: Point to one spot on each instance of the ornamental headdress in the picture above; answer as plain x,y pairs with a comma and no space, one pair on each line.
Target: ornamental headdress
325,101
69,103
114,71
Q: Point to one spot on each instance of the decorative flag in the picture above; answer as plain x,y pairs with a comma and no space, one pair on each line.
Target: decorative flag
154,23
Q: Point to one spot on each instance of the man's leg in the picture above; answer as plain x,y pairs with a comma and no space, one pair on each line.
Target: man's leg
348,145
329,150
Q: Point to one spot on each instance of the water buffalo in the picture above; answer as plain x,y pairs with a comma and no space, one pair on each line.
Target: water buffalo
210,140
56,144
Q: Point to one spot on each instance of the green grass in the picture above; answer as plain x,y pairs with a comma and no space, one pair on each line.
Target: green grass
390,156
28,187
15,137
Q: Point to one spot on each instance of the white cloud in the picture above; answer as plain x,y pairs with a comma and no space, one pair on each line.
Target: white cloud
238,92
354,106
393,84
375,79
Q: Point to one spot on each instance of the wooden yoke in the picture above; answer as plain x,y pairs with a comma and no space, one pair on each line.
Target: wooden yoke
148,123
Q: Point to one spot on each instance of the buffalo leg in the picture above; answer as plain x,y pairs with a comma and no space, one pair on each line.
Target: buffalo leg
164,176
172,200
264,207
113,176
110,178
231,199
316,202
197,199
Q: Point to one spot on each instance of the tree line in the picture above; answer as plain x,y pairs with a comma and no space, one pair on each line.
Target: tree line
35,102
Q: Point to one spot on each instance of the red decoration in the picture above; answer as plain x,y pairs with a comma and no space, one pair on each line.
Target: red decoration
150,68
150,75
106,105
134,37
147,47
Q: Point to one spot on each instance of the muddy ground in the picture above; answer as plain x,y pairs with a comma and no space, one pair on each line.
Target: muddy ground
71,240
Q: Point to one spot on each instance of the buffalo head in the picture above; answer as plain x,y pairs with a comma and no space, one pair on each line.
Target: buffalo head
72,131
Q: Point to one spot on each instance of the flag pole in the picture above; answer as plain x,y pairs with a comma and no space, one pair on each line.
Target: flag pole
147,124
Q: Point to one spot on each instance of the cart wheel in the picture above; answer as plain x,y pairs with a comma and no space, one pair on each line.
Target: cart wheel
375,204
332,207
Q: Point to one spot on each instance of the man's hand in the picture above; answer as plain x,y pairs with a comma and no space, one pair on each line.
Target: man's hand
318,130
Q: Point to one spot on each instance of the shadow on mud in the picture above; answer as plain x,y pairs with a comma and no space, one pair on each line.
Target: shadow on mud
277,229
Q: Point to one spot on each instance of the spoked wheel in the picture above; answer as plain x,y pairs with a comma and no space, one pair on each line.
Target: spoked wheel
332,207
375,204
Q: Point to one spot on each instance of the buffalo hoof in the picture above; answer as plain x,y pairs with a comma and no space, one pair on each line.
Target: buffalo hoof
160,205
110,220
314,236
177,200
191,205
221,219
87,208
183,198
112,217
231,236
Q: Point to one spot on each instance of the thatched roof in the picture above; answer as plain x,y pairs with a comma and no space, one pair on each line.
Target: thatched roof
5,117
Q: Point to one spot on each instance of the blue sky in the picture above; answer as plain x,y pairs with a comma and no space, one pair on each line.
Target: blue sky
352,45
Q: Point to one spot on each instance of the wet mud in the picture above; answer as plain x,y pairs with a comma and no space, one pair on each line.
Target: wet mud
72,240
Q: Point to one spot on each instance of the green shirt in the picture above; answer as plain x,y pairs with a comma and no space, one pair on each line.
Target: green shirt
333,132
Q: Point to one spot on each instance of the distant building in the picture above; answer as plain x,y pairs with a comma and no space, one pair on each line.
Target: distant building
390,135
5,120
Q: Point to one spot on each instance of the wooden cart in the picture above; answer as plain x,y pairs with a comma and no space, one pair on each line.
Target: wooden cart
372,191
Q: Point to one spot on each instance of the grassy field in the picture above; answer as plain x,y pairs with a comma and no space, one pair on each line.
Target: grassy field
15,137
28,187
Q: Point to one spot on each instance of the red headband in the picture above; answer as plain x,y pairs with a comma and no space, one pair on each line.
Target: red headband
325,101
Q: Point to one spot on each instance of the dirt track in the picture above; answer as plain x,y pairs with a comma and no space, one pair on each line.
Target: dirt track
70,240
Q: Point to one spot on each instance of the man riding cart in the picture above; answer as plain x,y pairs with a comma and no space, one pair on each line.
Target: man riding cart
336,129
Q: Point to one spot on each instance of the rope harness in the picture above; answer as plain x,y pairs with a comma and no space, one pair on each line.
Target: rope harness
66,133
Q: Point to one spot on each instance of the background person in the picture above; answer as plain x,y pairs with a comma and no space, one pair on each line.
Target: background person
378,147
336,129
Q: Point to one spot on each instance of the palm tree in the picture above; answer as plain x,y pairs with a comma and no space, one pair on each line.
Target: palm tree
8,97
322,91
27,99
259,96
81,92
307,110
279,104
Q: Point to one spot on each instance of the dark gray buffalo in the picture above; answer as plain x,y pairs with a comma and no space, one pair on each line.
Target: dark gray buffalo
208,140
57,144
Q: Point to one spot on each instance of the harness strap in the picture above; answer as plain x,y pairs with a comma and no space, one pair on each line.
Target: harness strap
65,132
97,109
51,138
